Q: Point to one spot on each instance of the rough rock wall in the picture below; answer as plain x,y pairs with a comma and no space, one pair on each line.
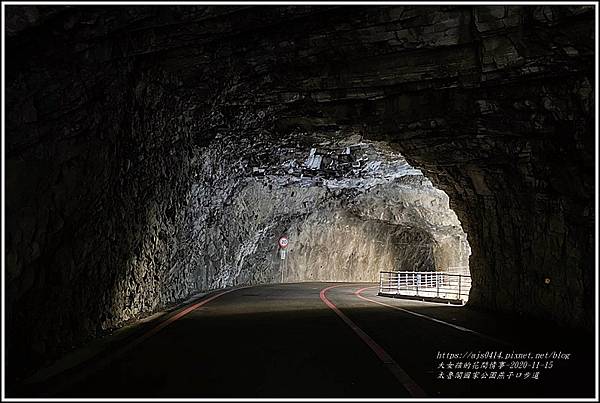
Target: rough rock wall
493,103
96,224
336,246
250,196
333,234
111,111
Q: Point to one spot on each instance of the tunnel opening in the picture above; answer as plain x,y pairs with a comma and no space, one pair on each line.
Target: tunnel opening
146,165
350,208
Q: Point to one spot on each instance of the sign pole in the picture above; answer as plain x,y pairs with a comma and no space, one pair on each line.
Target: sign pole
283,242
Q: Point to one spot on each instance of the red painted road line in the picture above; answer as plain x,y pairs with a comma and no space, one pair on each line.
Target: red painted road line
462,329
406,381
112,356
175,317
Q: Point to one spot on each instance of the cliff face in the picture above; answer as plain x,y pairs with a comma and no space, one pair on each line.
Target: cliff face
155,151
349,211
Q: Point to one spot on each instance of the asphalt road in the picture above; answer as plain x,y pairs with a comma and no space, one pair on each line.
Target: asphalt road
316,340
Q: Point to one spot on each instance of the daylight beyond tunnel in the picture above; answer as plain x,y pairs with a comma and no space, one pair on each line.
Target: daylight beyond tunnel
156,152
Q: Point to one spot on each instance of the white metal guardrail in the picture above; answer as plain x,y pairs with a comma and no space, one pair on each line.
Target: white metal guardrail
426,284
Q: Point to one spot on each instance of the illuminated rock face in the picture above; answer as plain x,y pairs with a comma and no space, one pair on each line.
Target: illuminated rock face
125,127
380,215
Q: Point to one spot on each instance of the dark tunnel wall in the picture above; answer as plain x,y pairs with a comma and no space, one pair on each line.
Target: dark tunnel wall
111,111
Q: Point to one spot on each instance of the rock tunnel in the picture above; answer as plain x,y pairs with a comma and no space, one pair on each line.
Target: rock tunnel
154,152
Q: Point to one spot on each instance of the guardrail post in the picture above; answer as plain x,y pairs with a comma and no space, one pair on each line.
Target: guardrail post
417,282
437,284
459,277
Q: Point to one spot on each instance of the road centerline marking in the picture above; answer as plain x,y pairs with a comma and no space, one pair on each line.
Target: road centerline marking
407,382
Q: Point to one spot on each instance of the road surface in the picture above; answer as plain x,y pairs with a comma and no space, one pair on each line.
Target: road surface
312,340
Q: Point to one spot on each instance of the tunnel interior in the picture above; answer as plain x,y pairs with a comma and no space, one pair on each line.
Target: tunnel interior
154,152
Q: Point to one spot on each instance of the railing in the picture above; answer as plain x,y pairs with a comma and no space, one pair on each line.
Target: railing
427,284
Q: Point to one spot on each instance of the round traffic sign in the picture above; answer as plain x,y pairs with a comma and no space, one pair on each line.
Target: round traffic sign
283,242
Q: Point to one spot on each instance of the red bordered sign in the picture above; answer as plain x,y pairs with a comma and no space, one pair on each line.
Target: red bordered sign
283,242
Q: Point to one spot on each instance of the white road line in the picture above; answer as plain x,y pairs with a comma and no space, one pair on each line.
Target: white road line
457,327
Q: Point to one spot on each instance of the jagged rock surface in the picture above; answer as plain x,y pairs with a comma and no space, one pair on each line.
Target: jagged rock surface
124,127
